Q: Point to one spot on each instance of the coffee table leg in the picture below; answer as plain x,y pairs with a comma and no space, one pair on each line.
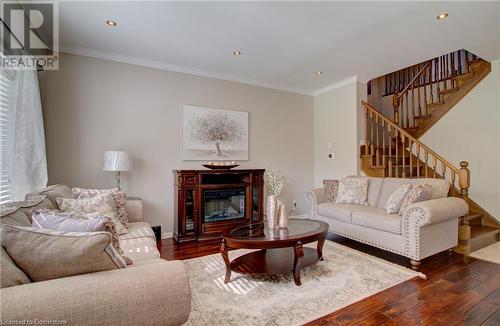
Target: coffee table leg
223,252
299,253
319,249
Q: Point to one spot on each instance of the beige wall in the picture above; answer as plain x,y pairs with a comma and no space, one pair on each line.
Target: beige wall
471,132
335,123
93,105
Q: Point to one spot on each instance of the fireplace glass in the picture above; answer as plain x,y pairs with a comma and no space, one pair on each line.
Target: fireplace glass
223,205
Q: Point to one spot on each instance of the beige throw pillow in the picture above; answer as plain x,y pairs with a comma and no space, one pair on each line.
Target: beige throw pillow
416,194
102,204
352,191
10,274
395,200
331,188
44,254
119,198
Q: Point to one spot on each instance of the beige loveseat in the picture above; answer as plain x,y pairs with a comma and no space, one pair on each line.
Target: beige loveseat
151,291
426,227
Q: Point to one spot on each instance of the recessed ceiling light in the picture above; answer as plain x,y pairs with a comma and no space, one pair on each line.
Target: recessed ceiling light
236,52
442,16
111,23
318,73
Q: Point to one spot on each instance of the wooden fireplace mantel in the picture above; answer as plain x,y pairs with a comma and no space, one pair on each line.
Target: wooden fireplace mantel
190,185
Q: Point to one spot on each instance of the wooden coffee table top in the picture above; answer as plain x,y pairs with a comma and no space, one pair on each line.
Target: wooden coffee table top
259,236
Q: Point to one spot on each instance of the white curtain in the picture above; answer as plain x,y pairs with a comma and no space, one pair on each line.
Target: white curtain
28,170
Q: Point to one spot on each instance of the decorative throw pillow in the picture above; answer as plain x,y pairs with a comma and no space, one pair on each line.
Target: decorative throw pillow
331,188
78,222
65,221
44,254
418,193
395,200
352,191
11,275
119,198
102,204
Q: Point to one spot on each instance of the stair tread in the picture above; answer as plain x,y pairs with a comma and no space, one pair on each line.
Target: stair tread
423,116
430,105
449,90
477,231
466,75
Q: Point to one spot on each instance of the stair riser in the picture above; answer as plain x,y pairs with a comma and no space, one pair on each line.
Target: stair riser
483,241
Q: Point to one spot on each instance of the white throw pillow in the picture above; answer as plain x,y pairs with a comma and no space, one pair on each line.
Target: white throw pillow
395,200
352,191
103,204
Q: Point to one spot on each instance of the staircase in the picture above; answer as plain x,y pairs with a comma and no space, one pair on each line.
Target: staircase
425,92
390,150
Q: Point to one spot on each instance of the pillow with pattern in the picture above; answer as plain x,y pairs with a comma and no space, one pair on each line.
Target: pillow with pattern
395,200
352,191
102,204
331,188
418,193
119,198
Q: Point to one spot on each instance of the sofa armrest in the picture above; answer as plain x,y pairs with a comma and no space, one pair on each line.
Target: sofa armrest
314,197
156,293
435,211
134,209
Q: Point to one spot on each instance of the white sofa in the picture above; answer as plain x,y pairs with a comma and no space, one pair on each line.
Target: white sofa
425,229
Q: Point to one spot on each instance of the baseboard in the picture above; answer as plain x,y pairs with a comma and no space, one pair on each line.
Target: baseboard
167,235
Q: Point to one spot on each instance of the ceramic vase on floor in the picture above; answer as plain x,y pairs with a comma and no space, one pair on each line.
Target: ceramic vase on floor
272,211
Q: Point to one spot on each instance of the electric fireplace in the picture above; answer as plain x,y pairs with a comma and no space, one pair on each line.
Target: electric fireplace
208,202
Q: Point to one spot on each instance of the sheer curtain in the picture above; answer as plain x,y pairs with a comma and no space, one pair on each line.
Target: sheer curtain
28,161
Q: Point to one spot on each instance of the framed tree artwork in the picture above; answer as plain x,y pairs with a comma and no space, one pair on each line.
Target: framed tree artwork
214,134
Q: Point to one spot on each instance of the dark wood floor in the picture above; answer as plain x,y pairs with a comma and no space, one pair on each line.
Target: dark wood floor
457,291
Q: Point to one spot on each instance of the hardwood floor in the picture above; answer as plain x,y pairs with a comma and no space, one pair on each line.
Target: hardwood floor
457,291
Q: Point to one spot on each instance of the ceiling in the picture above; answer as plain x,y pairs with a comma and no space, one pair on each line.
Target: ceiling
282,43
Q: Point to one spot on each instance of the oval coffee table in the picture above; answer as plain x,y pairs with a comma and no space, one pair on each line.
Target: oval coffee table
281,249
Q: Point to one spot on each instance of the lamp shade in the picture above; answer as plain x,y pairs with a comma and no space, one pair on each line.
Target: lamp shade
117,161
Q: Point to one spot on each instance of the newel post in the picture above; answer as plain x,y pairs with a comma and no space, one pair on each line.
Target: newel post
464,232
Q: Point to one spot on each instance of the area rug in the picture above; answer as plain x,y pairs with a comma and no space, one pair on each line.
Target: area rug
344,277
490,253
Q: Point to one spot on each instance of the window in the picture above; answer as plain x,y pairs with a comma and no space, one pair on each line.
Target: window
6,87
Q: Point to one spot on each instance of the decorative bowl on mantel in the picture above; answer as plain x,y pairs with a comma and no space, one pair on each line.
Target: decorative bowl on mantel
221,165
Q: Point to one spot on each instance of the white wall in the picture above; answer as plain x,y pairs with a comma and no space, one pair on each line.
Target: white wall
470,132
93,105
335,123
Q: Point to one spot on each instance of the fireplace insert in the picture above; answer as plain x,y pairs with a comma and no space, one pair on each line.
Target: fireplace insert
223,204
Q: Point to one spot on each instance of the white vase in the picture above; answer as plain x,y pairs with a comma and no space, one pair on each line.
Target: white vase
282,216
272,211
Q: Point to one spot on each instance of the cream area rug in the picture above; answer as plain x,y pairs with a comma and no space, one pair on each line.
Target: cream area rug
490,253
344,276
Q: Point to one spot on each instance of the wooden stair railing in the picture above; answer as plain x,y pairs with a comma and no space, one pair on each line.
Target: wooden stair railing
428,81
400,155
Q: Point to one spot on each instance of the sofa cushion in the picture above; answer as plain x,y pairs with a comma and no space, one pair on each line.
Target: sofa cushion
352,191
377,218
103,204
119,198
53,192
341,212
440,187
14,216
374,186
11,275
44,254
30,205
138,230
140,248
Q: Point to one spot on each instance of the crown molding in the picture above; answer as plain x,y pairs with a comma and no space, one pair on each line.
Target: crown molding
110,56
339,84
